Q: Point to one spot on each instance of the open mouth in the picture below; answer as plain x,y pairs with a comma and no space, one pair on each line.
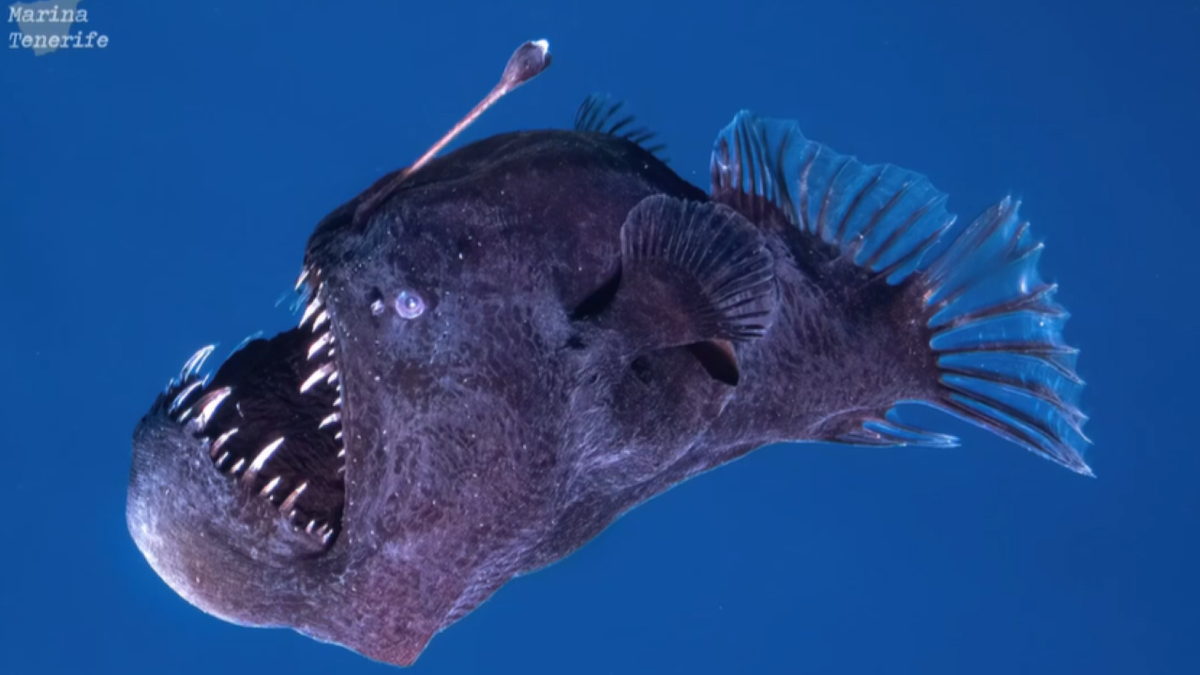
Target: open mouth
270,419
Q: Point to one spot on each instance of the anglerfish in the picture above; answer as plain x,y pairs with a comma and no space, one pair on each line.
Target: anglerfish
506,347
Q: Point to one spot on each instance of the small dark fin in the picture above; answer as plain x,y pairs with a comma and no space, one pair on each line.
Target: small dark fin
693,274
599,113
996,332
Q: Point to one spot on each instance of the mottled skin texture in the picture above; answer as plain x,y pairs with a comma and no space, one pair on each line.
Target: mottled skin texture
494,434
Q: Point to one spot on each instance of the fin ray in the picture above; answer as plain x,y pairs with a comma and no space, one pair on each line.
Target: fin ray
596,114
714,266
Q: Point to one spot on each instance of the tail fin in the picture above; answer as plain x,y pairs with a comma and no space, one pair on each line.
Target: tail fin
996,330
998,337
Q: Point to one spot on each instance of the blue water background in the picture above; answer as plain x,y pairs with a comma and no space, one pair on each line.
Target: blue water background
156,196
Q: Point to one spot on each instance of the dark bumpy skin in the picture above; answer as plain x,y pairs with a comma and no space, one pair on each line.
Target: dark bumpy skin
480,441
474,430
514,419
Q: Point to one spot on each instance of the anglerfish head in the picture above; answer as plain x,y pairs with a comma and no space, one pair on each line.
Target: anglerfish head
374,473
478,379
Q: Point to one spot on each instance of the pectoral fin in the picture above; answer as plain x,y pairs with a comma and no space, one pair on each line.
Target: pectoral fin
696,274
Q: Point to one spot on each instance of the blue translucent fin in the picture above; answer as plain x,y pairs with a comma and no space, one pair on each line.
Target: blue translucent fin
994,327
886,430
601,114
883,218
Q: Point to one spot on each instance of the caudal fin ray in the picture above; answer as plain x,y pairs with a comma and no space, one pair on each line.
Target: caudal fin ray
994,326
984,296
1031,376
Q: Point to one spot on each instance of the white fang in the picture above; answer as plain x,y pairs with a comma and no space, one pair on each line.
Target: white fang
329,420
321,319
288,503
303,277
310,310
261,458
239,464
216,446
319,344
318,375
270,487
184,394
209,405
196,362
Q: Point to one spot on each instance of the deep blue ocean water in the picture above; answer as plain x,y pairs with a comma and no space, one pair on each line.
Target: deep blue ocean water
156,195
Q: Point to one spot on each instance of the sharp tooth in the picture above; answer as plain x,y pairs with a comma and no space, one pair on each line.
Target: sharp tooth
333,377
319,344
301,280
325,539
187,391
269,487
224,456
209,404
338,435
288,503
341,453
238,465
196,362
329,420
261,458
321,319
311,525
310,310
337,403
253,336
318,375
216,446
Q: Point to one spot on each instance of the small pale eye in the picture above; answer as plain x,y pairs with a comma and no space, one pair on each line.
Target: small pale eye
409,305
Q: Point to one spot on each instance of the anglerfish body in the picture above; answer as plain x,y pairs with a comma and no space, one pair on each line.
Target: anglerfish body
505,350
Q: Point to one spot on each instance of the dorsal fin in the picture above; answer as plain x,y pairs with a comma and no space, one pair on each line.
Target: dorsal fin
882,217
599,113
